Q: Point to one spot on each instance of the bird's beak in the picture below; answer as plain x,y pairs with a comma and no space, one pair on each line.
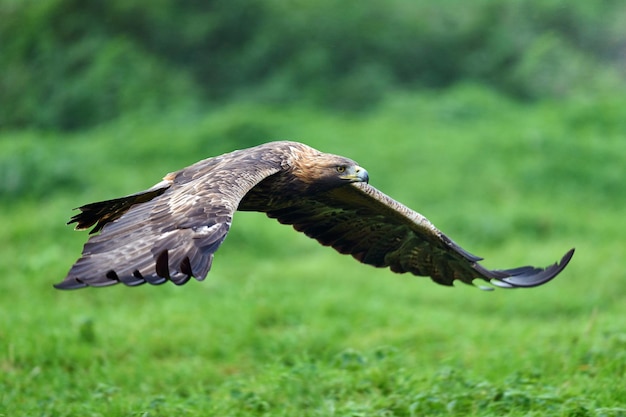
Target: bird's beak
356,174
362,175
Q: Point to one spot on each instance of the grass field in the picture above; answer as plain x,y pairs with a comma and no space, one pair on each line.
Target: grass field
285,327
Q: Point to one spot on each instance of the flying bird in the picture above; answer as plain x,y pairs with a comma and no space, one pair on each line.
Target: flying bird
171,231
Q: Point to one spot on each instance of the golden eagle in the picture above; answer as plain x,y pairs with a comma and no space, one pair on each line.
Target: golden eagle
172,230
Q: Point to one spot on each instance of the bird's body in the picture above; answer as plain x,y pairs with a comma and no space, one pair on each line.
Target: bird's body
172,230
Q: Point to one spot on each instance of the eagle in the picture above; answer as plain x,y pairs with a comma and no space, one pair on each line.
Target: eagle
170,232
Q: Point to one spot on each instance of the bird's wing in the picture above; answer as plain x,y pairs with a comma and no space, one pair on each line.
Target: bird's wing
169,232
359,220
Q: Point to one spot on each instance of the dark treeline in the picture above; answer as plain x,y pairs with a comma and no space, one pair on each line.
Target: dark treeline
68,64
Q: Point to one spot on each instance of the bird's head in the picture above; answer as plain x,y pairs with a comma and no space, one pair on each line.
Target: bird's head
322,171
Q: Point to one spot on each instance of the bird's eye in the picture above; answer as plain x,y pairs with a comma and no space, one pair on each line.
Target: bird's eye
341,168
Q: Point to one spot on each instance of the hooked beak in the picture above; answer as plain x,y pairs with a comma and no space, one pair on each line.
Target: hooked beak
356,174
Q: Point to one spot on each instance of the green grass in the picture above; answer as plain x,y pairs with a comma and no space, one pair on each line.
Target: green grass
283,326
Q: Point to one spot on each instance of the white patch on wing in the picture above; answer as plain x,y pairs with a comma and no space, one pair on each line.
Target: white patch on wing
207,230
163,184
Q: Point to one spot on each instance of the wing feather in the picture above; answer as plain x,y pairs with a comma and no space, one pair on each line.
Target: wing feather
171,231
359,220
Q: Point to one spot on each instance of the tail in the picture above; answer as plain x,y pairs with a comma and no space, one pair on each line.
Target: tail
103,212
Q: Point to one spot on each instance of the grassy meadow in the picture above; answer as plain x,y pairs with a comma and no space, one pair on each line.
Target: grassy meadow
285,327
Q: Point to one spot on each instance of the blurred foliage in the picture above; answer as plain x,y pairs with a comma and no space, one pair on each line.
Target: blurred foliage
68,64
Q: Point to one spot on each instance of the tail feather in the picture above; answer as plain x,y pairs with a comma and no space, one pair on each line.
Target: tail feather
103,212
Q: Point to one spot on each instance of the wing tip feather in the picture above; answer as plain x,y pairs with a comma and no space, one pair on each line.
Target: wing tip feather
69,284
528,276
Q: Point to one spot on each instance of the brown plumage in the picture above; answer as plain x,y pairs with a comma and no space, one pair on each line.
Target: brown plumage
171,231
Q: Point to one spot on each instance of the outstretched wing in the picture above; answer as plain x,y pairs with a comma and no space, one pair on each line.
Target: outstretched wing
359,220
169,232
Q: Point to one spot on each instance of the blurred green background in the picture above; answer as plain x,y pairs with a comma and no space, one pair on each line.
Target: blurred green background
503,122
73,64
